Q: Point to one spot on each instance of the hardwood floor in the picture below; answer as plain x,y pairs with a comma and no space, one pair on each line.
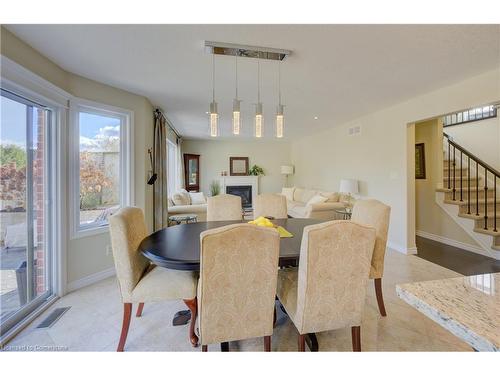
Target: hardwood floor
455,259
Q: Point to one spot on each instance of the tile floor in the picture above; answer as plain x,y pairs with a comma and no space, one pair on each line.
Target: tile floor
94,320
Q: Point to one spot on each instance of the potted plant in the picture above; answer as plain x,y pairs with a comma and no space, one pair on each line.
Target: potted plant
215,188
256,171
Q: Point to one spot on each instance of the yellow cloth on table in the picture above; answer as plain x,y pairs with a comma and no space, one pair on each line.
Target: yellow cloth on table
284,233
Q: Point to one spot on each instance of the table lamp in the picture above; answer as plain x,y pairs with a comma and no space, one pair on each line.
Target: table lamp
349,187
286,170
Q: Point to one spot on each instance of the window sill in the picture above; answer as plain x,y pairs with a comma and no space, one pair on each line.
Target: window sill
90,231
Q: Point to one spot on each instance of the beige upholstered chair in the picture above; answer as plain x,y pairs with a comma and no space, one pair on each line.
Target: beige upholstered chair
140,281
376,214
237,285
224,207
327,290
273,205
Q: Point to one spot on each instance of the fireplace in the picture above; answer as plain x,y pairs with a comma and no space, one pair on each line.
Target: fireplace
243,191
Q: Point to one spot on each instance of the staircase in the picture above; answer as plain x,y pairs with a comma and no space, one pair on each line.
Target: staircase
469,195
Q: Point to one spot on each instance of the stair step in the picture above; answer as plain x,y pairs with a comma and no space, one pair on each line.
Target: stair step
473,216
472,193
464,188
472,201
489,231
495,247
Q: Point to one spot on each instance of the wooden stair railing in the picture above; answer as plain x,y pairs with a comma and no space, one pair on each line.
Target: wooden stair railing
452,181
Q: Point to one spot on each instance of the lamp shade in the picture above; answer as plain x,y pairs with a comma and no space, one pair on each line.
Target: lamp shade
349,186
287,169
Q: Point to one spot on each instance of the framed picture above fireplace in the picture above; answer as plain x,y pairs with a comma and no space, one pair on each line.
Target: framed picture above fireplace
238,166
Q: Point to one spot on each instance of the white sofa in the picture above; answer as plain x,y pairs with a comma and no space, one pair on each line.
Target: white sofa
183,203
313,204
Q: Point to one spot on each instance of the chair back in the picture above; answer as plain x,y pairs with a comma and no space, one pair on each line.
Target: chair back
237,285
224,207
270,205
333,271
375,214
127,228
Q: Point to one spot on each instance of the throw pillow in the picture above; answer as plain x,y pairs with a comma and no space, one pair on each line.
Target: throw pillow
181,198
288,193
197,198
316,199
332,196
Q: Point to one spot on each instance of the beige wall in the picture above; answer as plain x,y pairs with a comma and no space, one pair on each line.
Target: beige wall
86,256
482,138
268,154
378,156
430,218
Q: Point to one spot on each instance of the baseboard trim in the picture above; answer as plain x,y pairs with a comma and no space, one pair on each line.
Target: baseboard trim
401,249
451,242
89,280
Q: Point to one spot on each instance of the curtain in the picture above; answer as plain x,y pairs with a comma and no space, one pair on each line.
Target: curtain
180,165
160,191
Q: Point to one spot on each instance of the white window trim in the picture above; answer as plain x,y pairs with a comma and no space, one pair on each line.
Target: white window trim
127,197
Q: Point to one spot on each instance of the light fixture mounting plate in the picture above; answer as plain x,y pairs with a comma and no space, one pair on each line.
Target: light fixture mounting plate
230,49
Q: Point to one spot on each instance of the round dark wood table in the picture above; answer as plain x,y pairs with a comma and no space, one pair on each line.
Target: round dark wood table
178,248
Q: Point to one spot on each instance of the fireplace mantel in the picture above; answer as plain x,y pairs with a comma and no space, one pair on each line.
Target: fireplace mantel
252,181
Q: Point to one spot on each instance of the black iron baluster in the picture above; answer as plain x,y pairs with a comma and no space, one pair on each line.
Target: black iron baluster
468,185
477,189
449,166
461,199
485,198
495,204
454,187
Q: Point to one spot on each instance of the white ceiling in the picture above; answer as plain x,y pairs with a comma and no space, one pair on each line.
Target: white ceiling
336,72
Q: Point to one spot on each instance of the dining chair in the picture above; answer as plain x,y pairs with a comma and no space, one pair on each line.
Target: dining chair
270,205
237,285
225,207
376,214
140,281
327,291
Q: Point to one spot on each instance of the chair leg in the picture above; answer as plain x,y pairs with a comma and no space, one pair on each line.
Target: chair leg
356,338
274,317
204,348
192,304
127,313
267,343
139,309
380,297
302,343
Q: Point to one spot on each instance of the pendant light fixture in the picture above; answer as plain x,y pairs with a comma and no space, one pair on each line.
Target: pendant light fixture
236,105
280,119
214,116
259,118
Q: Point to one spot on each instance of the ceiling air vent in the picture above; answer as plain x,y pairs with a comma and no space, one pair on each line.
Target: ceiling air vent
355,130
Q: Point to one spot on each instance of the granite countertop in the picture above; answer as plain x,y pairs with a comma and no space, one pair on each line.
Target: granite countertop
468,307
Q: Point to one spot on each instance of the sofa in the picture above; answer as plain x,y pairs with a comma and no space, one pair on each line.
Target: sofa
314,204
183,203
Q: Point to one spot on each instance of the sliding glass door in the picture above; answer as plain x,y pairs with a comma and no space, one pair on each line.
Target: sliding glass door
25,213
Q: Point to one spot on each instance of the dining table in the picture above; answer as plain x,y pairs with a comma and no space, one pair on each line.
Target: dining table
178,248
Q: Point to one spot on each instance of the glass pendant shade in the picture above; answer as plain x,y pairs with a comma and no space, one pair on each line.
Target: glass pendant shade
236,117
280,121
214,120
259,120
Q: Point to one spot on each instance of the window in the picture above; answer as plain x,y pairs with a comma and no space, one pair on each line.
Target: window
100,165
172,167
469,115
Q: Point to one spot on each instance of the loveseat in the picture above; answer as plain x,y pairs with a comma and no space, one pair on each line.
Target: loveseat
314,204
183,203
